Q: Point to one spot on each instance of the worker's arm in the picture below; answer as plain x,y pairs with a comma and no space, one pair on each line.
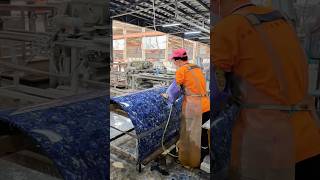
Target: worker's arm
173,92
225,46
177,84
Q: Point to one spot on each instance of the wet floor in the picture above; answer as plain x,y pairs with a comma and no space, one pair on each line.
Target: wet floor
123,165
124,169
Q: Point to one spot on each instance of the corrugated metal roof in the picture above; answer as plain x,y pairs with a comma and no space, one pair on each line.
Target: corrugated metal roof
194,15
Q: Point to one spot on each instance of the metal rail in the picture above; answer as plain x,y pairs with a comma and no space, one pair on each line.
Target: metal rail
22,36
30,8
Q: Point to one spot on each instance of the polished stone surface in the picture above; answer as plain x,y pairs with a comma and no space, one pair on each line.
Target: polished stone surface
222,121
221,136
120,122
72,132
149,113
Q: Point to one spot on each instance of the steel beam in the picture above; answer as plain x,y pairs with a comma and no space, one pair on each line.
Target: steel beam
203,4
149,20
147,9
194,9
182,18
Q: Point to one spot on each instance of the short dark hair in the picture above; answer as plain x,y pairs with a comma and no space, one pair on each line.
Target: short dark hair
181,58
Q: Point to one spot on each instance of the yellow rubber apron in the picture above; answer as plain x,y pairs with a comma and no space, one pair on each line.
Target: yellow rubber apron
189,144
267,149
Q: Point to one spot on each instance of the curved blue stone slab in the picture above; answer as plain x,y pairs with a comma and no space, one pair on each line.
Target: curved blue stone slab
222,122
74,134
149,113
221,136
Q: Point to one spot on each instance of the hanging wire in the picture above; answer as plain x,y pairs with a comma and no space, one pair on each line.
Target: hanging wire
154,15
154,22
304,8
176,9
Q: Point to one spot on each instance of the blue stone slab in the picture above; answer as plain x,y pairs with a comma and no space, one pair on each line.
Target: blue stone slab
223,114
73,133
149,113
221,136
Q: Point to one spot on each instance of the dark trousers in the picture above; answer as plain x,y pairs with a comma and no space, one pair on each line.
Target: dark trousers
204,136
308,169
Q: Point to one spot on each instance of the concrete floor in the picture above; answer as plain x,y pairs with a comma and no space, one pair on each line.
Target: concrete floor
123,154
123,166
13,171
125,169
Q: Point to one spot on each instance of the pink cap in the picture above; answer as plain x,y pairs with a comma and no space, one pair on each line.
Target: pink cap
179,53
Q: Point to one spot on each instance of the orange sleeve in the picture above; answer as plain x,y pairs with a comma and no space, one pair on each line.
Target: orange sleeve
180,74
225,46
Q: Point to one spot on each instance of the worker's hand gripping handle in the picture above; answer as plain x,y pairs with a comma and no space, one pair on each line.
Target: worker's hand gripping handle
165,95
173,92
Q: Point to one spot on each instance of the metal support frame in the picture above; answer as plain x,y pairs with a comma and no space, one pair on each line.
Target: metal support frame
151,157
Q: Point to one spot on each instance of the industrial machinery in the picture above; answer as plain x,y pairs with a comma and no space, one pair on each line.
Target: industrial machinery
139,75
49,52
118,75
52,53
136,68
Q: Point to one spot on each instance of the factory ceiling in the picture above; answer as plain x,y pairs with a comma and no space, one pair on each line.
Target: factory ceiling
192,15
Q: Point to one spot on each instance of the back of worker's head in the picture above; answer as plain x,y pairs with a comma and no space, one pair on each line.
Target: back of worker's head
225,7
181,58
179,55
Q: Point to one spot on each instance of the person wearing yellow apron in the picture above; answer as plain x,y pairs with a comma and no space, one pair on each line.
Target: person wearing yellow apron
277,134
193,143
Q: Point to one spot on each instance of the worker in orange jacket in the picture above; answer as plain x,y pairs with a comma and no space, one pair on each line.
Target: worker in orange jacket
193,143
277,134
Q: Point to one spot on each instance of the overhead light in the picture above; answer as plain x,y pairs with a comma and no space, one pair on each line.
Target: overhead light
204,37
171,25
192,32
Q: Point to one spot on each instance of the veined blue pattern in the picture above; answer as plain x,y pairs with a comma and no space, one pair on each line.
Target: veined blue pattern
221,136
75,136
222,121
149,113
